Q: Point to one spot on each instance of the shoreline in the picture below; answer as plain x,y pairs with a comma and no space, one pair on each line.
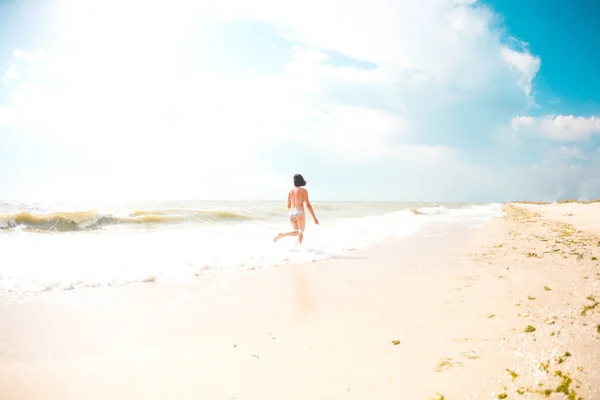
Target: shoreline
459,306
321,243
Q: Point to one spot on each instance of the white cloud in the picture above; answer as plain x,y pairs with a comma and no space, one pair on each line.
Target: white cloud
355,133
570,152
527,64
560,128
30,57
5,116
443,40
11,74
22,62
124,107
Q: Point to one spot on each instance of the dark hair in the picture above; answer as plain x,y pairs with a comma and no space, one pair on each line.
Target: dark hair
299,180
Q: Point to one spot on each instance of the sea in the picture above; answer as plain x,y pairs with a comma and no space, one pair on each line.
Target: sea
65,247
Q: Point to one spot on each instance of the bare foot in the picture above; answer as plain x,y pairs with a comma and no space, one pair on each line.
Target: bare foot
278,237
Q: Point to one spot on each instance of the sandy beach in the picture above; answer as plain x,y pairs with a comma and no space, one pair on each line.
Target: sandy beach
509,310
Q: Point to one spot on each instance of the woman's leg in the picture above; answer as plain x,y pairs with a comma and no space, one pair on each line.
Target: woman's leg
294,222
300,224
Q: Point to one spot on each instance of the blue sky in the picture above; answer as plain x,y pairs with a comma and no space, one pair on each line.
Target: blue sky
565,38
412,100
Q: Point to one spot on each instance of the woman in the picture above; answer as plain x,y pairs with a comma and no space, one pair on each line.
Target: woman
296,199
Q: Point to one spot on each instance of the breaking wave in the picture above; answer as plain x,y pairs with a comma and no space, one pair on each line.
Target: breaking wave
82,220
56,254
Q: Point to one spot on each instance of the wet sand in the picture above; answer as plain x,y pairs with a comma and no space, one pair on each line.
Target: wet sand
507,309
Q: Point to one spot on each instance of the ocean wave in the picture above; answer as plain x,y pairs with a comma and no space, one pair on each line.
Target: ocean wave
67,221
176,253
174,215
430,211
91,219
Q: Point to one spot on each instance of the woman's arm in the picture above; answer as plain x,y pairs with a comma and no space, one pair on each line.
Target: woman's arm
309,206
289,200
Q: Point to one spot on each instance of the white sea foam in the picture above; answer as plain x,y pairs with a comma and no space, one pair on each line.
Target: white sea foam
237,236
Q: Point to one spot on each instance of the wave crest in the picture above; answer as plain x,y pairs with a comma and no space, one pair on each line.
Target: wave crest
82,220
434,210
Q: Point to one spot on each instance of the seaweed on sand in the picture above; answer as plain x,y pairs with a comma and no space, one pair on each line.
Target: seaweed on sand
590,307
529,329
447,363
513,374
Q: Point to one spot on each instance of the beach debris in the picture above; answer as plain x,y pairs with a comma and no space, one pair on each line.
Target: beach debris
447,363
255,356
234,345
530,298
395,342
440,397
462,340
529,329
562,358
491,316
594,258
564,386
532,255
547,289
471,354
590,307
598,329
502,396
512,373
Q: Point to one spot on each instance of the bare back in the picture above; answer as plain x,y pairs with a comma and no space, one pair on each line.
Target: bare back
296,196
